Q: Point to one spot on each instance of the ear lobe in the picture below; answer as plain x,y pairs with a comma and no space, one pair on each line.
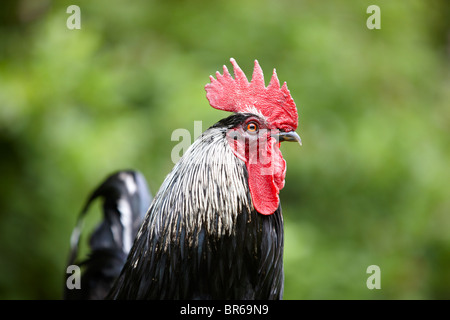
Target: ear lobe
237,144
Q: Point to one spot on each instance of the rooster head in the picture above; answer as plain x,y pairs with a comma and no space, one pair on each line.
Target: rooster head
264,117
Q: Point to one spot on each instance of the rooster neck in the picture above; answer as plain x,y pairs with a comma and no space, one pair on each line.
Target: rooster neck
206,189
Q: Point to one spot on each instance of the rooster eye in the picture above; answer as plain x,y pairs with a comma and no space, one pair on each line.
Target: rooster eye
252,127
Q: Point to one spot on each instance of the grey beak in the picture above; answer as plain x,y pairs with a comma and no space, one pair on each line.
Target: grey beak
289,136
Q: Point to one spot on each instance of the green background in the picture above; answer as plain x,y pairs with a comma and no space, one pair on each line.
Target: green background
370,186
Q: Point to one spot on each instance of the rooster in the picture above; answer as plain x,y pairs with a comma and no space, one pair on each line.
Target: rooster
126,198
215,228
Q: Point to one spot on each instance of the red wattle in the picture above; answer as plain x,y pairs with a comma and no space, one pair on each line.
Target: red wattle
263,190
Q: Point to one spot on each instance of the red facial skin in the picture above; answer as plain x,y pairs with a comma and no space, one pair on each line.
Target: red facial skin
265,164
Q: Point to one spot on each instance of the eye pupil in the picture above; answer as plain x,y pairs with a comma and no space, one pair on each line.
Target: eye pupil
252,127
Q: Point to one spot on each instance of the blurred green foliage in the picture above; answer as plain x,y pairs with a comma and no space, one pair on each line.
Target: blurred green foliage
369,186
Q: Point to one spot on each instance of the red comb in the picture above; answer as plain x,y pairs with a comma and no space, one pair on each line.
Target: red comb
239,95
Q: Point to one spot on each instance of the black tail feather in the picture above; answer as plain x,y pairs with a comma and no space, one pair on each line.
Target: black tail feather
126,198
